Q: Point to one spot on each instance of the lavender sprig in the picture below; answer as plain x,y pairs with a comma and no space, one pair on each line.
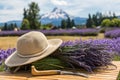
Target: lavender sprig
85,54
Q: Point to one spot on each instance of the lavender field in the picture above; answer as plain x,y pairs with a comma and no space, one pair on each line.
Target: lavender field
62,32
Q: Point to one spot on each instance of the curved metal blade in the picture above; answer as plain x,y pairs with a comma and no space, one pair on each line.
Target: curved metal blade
74,73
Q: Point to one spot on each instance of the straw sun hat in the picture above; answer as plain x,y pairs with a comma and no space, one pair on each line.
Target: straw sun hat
31,47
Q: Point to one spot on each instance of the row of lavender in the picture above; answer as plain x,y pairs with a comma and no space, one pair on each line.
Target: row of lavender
112,33
69,32
113,45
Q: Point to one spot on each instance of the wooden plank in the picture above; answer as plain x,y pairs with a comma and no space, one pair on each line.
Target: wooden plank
97,75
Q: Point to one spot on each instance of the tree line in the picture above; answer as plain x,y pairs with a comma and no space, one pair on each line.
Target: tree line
9,27
96,19
68,23
115,22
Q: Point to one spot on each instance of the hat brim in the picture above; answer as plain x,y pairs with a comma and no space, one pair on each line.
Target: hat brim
15,60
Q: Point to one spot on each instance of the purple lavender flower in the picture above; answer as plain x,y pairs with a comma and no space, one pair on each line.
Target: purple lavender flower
113,45
113,33
5,53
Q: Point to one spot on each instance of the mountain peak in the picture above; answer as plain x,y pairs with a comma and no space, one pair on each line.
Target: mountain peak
54,9
57,10
55,14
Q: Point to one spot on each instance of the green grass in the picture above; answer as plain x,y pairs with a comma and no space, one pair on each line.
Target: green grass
118,78
117,58
2,67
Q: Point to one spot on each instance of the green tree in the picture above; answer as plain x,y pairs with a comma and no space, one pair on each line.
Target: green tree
72,23
106,23
115,22
114,15
111,23
96,19
69,25
5,27
25,24
63,24
11,26
25,14
99,18
89,22
15,25
32,15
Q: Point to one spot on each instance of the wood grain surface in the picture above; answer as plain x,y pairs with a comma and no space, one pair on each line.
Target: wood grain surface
107,74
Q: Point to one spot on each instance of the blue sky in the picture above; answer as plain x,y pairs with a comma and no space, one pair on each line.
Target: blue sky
13,9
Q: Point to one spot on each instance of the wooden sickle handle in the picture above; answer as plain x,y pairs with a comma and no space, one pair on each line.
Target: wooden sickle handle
43,72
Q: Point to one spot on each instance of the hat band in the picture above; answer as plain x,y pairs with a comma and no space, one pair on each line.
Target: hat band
34,55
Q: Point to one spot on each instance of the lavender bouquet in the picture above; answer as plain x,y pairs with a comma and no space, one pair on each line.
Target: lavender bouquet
82,54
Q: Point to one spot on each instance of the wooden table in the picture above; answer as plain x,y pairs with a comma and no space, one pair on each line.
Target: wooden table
97,75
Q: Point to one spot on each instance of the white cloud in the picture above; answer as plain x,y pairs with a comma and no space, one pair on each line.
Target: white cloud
59,2
13,10
82,8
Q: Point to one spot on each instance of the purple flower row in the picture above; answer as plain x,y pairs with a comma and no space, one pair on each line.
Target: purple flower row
113,45
113,33
71,32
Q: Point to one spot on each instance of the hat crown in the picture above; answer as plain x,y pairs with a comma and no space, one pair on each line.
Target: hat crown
31,43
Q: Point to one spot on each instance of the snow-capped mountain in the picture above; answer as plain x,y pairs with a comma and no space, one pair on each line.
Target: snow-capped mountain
56,15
